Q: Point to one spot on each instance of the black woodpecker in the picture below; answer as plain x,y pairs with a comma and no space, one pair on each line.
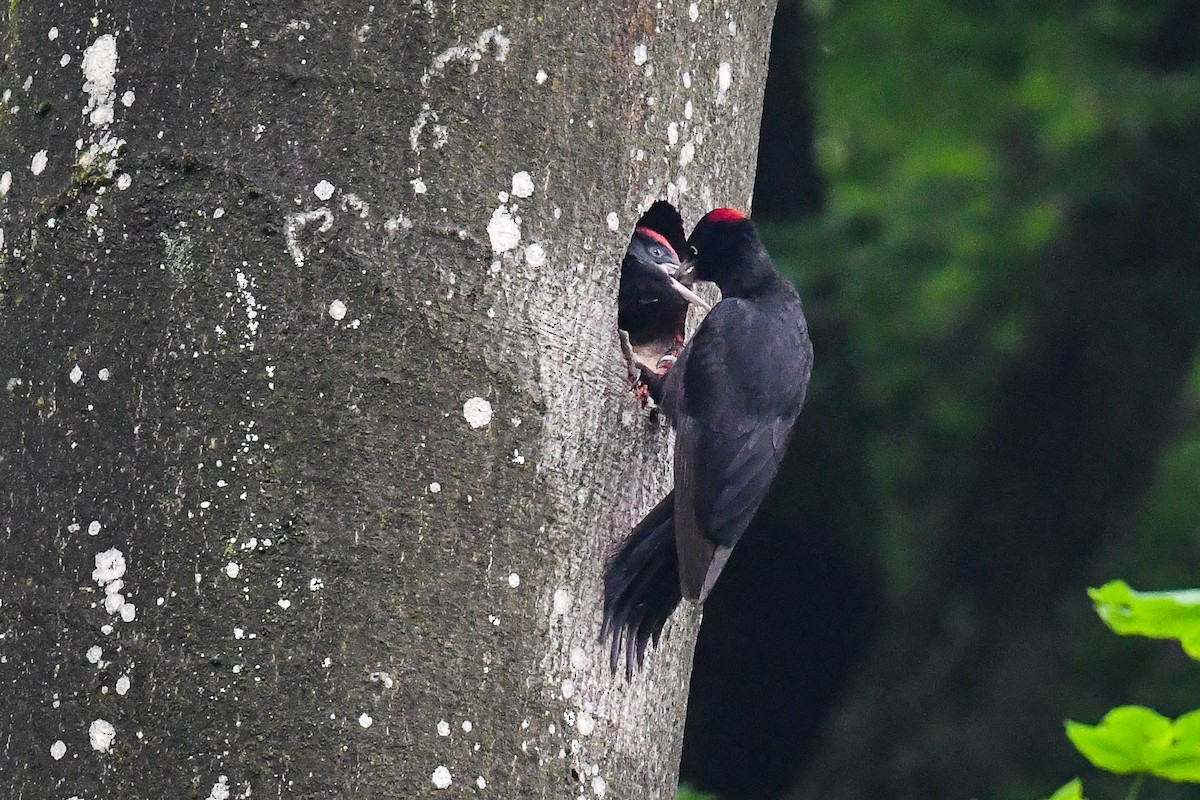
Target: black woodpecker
652,304
732,396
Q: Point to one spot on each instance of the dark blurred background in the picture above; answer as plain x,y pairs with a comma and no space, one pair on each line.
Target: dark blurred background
992,211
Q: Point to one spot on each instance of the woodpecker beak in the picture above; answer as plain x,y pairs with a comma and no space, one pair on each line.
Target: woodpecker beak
687,271
680,289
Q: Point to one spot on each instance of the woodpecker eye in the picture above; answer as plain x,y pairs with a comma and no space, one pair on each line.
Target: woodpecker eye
657,252
695,252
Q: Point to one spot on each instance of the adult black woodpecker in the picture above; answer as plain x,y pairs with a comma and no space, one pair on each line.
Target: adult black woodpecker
732,396
652,304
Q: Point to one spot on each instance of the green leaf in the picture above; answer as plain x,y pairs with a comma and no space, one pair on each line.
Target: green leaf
1182,762
1128,739
1069,791
1134,739
1159,615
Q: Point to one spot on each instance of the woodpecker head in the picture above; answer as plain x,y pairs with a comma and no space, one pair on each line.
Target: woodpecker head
727,251
655,261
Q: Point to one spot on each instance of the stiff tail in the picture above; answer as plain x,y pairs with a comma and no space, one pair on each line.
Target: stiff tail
641,587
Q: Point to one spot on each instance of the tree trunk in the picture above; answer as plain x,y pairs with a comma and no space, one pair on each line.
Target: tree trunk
316,428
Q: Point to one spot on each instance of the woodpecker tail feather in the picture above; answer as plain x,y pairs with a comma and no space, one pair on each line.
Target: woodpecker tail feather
641,587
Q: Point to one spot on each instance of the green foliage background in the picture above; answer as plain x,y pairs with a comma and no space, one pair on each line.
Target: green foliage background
958,142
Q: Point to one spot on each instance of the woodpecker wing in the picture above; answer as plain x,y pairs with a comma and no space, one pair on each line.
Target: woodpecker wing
740,385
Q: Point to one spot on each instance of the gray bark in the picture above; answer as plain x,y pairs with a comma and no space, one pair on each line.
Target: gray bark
253,544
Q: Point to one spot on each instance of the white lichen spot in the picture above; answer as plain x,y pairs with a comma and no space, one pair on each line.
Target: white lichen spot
316,585
113,599
5,183
123,685
232,569
124,181
297,222
337,310
443,728
435,487
323,190
220,789
365,720
101,734
503,231
477,411
522,184
585,723
613,221
128,612
128,98
535,255
39,162
687,79
467,726
724,80
76,374
673,133
218,212
94,653
688,111
694,12
394,225
640,54
568,689
104,374
599,786
52,34
441,778
66,59
562,601
419,186
58,749
352,202
100,79
284,603
426,116
733,27
110,565
579,658
686,154
540,77
514,580
384,678
470,53
93,527
480,782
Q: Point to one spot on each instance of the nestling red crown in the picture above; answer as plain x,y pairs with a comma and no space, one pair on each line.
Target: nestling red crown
658,237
